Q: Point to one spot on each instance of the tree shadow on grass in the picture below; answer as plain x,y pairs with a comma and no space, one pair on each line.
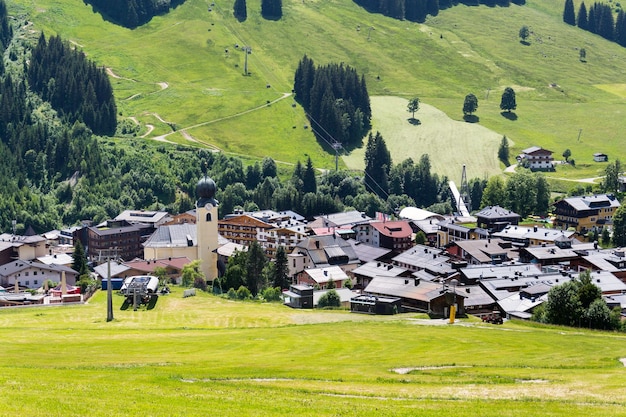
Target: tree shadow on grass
509,115
526,43
414,121
471,118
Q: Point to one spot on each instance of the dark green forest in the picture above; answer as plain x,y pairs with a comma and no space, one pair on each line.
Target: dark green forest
132,13
418,10
336,101
598,19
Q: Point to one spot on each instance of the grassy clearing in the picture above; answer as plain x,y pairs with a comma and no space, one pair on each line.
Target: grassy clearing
440,61
204,355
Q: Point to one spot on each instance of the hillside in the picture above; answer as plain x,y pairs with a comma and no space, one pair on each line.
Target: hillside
184,68
203,356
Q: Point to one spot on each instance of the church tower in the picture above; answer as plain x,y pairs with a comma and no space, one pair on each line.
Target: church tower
206,223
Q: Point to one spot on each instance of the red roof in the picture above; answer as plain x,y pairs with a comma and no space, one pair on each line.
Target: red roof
395,229
149,266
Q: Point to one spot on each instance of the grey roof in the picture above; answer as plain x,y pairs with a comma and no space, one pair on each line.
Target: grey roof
483,249
105,231
175,235
500,271
592,202
374,269
476,296
319,255
342,219
550,252
497,212
20,240
425,257
142,216
326,274
17,266
117,269
534,233
406,288
368,253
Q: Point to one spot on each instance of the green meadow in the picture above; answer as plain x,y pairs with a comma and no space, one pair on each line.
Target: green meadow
205,355
181,77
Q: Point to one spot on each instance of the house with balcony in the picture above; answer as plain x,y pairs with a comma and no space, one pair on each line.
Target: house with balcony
585,213
536,159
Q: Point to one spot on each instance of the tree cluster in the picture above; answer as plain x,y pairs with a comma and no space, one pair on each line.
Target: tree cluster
73,85
418,10
336,101
578,303
272,9
599,19
132,13
524,193
252,270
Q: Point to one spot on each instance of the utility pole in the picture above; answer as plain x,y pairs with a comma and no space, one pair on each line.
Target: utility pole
109,285
580,131
337,147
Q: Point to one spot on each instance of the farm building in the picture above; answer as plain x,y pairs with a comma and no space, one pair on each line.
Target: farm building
600,157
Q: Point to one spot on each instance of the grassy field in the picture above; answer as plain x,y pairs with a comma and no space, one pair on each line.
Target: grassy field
203,356
184,68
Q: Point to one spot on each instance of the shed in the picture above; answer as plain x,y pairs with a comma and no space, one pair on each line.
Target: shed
299,296
600,157
372,304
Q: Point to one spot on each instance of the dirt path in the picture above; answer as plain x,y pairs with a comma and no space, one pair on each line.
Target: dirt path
163,138
150,129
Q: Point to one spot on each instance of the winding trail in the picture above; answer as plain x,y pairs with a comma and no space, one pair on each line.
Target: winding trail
183,131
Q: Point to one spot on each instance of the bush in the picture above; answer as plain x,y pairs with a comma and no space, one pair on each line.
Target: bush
272,294
232,294
243,293
330,299
199,283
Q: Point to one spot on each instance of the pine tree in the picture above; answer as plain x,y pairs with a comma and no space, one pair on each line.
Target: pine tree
508,103
503,151
80,259
569,16
280,272
240,10
309,180
377,165
620,28
582,17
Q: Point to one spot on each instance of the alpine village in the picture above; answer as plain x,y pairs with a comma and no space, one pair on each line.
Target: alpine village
313,208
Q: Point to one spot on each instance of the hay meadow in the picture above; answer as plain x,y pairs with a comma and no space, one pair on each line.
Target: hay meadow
206,355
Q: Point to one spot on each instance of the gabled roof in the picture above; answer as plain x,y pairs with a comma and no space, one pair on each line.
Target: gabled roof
18,240
500,271
425,257
17,266
57,258
150,265
497,212
406,288
535,149
367,253
318,249
326,274
117,269
393,229
246,220
173,236
373,269
340,219
483,249
591,202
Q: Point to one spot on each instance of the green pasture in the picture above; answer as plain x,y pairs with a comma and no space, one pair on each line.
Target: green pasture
205,355
183,68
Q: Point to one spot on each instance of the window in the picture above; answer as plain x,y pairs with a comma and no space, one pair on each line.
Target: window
26,274
208,217
27,283
35,282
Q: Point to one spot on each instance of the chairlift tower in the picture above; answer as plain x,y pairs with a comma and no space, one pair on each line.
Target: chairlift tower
247,51
465,191
337,147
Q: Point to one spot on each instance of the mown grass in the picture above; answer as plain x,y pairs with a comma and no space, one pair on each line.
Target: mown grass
462,50
207,356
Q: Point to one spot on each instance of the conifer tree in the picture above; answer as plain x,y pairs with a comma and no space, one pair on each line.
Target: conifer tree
581,22
569,15
240,10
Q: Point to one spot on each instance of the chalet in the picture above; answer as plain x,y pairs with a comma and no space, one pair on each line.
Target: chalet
182,218
536,158
452,231
425,258
24,248
320,252
323,277
482,251
394,235
585,213
32,274
496,218
522,236
364,274
418,295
